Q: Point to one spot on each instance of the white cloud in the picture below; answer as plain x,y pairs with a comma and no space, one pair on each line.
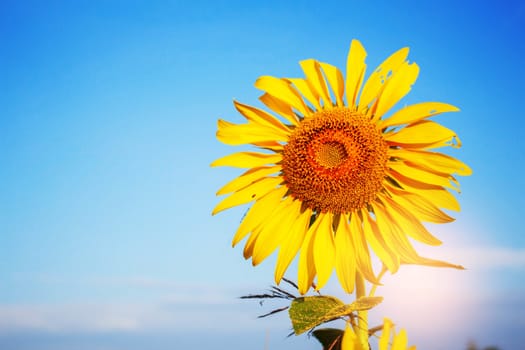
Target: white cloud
108,317
481,257
185,309
175,306
493,257
71,317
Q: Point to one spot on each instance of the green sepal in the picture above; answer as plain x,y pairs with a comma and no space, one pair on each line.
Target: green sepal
309,312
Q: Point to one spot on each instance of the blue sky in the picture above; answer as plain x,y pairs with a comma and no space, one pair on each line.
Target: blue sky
108,112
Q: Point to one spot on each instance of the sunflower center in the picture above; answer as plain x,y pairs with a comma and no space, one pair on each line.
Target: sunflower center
335,161
331,154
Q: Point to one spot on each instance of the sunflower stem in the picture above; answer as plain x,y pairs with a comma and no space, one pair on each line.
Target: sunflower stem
362,330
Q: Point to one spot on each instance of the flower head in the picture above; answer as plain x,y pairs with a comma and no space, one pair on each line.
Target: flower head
337,176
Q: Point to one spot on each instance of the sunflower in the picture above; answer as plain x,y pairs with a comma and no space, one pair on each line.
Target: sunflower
387,341
332,177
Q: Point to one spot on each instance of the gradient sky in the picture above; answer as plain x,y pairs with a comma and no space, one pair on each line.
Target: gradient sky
108,112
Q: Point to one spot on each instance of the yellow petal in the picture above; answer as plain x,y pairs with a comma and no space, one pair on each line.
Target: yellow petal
380,76
250,243
247,178
345,256
438,195
437,161
288,250
413,172
306,268
417,112
258,212
424,134
355,72
221,123
354,227
396,88
315,77
261,117
385,334
239,134
280,108
395,240
350,340
248,194
434,263
275,229
400,341
410,224
248,159
324,250
283,91
336,81
420,207
377,241
407,182
399,242
269,145
307,91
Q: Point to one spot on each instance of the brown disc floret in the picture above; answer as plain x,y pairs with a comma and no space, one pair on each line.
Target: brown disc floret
335,161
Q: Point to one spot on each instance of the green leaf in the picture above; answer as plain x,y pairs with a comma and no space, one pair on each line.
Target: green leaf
330,338
309,312
365,303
